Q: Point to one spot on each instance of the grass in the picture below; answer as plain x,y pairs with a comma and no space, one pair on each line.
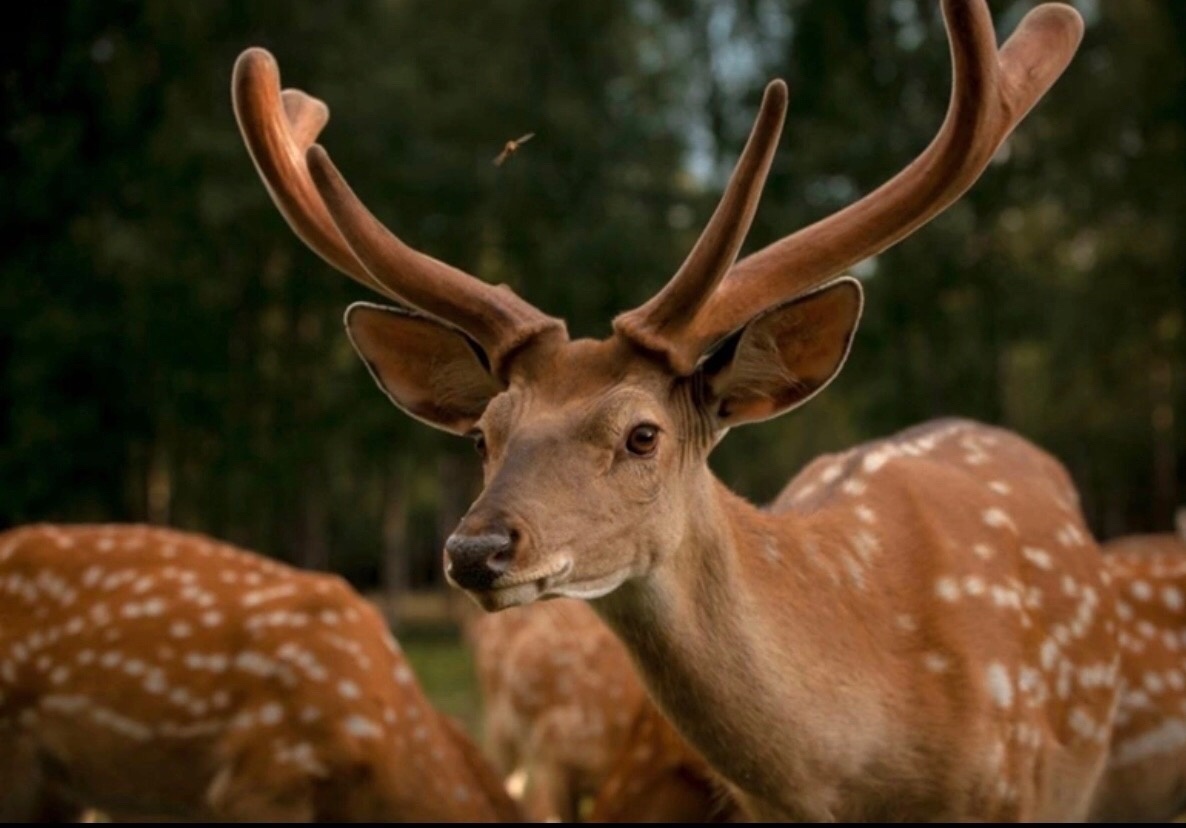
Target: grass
443,664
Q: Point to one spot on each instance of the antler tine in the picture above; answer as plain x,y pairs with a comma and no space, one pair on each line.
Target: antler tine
495,317
280,130
991,93
278,127
655,323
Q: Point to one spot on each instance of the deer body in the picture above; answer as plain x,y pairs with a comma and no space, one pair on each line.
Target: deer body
559,693
656,776
832,671
157,674
921,632
1146,775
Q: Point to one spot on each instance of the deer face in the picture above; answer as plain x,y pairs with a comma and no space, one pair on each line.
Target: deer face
595,453
582,479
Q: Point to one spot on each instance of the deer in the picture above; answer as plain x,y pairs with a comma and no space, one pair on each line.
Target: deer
559,694
890,640
568,723
656,776
149,673
1146,774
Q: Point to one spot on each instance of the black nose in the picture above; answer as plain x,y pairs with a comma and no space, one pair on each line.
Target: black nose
475,561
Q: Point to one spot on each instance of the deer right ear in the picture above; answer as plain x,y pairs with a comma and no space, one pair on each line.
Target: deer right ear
433,372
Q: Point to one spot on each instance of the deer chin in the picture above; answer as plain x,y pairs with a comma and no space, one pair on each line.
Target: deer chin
588,588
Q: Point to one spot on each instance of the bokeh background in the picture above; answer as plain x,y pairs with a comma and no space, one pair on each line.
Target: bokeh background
171,353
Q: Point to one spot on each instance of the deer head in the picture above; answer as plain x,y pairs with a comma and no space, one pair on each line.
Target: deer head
595,451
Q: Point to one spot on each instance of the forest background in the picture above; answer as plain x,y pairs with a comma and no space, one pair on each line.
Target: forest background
171,353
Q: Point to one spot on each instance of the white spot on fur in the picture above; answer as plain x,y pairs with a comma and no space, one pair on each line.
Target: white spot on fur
854,486
362,727
974,585
874,460
1038,557
1167,737
1141,590
998,519
831,473
1080,721
936,662
1000,687
948,589
180,629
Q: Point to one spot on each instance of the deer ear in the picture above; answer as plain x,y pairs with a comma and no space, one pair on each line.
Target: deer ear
433,372
785,356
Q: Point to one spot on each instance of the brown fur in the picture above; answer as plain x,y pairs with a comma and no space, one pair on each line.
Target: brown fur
156,674
1146,775
563,706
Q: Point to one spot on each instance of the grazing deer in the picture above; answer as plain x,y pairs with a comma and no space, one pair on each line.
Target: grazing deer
558,697
158,674
656,776
893,642
1146,775
565,711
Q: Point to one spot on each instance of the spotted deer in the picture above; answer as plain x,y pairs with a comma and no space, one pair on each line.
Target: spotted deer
879,646
565,712
157,674
1146,775
559,694
656,776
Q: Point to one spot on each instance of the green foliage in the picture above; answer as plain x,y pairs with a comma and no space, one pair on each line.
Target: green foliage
170,352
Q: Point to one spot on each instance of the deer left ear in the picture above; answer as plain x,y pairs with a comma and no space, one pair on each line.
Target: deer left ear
785,356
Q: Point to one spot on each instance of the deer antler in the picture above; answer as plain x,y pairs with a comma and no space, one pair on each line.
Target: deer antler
716,249
279,130
991,93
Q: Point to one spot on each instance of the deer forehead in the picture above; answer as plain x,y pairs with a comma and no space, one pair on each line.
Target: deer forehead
582,386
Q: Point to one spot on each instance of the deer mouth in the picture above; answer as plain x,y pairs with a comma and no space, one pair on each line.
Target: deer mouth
518,588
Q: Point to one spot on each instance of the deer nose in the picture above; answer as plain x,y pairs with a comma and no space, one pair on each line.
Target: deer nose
476,561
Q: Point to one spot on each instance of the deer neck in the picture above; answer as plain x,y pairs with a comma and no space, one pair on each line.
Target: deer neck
739,644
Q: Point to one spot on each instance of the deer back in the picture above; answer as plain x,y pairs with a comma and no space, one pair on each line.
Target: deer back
162,674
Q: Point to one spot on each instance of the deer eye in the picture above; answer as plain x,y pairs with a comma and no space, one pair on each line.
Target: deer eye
479,443
643,439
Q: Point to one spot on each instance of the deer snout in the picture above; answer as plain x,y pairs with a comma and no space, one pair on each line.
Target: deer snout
476,561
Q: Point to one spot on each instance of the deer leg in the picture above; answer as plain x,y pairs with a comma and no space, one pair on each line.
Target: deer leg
550,794
243,792
27,794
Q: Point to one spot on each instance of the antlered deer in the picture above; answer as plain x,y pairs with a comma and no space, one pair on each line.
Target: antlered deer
874,648
1146,774
158,674
559,695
